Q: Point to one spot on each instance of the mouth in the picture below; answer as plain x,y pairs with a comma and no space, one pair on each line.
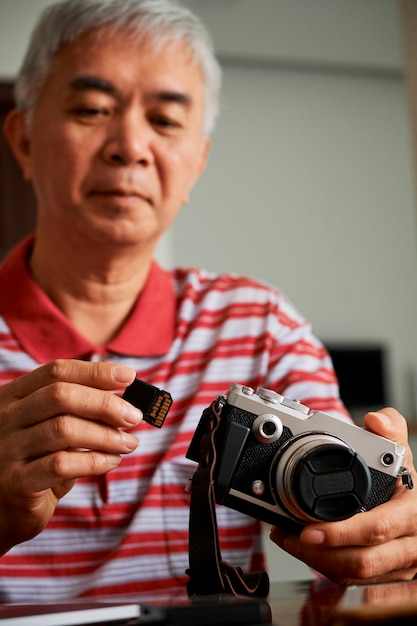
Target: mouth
121,194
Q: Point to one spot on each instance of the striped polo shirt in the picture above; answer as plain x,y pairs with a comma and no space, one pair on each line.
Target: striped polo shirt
192,333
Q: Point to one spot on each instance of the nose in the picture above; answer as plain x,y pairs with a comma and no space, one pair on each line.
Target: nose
128,141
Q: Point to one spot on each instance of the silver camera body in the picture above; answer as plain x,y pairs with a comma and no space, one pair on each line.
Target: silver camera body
280,462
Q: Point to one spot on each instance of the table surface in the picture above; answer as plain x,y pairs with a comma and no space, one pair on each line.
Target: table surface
311,603
322,603
303,603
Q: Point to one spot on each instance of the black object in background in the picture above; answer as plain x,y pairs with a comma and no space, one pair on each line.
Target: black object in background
362,373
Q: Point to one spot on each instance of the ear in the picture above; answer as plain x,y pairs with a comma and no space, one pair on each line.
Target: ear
199,168
17,135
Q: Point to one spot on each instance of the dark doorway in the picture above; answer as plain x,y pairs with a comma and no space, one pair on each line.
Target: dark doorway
17,200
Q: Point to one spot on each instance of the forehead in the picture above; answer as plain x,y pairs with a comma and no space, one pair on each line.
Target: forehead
130,61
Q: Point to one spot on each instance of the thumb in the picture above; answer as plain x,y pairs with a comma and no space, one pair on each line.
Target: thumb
388,423
391,424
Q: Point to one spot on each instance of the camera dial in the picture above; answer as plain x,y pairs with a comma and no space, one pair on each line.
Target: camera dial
296,405
267,428
318,477
268,395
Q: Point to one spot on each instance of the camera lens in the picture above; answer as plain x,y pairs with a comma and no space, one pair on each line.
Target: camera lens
318,477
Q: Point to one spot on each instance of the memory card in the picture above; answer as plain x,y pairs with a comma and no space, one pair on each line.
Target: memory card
153,402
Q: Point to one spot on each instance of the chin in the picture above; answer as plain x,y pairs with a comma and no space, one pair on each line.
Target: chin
128,239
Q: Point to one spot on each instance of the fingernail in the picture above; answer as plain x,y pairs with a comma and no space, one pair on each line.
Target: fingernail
129,440
131,415
113,459
123,375
313,536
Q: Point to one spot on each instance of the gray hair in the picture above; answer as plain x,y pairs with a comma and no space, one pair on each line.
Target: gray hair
161,20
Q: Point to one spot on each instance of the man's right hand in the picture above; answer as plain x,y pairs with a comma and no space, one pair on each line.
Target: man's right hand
58,423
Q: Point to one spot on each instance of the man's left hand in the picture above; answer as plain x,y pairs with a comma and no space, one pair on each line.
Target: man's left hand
376,546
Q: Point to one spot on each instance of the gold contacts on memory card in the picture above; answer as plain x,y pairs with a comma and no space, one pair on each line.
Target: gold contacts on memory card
153,402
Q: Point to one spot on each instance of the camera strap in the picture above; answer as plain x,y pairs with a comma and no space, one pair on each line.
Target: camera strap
208,573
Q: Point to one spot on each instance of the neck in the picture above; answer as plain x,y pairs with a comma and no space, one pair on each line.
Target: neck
95,291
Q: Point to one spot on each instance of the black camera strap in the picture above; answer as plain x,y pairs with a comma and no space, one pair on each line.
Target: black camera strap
208,573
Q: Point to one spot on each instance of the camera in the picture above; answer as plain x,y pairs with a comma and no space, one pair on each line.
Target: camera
287,465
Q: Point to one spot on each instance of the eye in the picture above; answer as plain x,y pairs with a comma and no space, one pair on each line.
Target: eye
166,126
90,112
165,122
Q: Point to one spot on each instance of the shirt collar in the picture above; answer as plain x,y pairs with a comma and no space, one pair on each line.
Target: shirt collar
46,334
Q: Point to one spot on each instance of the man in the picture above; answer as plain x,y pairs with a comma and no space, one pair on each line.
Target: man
115,103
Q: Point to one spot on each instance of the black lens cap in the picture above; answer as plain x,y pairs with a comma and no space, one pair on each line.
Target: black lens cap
331,482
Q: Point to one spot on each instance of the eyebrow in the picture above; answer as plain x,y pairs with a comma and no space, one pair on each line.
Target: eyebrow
89,82
173,96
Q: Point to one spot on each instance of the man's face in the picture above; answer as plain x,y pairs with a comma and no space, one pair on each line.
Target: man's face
116,143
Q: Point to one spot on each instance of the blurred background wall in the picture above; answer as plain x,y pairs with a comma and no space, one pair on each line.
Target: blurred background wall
310,183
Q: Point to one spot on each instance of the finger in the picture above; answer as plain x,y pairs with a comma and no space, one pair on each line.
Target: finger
62,397
393,560
395,518
69,432
387,422
101,375
61,489
58,471
391,424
